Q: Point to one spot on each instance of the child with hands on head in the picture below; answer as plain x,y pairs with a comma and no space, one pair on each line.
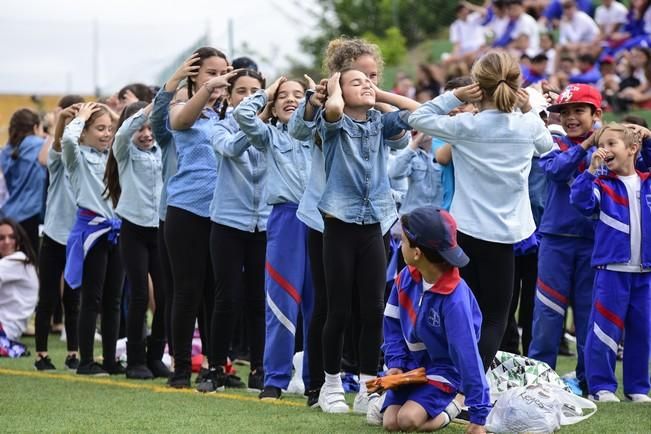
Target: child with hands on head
432,320
622,257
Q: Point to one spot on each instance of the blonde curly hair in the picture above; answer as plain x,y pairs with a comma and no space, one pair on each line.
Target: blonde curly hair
342,52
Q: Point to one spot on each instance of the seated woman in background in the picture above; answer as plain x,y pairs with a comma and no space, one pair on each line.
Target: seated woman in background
18,279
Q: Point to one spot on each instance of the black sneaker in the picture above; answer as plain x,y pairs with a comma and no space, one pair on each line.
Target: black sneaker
44,364
270,393
200,376
234,382
313,398
92,369
114,368
72,362
139,372
256,380
179,381
158,369
213,381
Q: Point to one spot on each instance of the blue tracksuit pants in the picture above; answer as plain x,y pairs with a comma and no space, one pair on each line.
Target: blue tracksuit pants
621,302
565,278
288,287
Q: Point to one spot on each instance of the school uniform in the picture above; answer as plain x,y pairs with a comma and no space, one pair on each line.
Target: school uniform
138,206
60,216
622,289
424,175
288,280
436,326
358,209
565,276
92,258
158,120
187,229
238,214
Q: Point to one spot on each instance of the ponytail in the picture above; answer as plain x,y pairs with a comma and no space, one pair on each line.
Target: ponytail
498,75
21,125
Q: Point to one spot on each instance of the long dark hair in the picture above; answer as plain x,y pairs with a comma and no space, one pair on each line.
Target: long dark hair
274,119
22,240
233,79
21,125
113,189
203,53
141,91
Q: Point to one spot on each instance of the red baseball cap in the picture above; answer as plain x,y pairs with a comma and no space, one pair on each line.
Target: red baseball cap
577,94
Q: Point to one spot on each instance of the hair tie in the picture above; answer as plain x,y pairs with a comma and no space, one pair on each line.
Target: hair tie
501,81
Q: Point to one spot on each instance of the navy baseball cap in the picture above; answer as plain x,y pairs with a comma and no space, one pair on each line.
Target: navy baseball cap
435,228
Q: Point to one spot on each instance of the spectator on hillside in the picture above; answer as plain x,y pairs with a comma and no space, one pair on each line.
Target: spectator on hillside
548,48
589,72
554,11
536,71
610,16
525,35
466,33
577,31
426,80
637,29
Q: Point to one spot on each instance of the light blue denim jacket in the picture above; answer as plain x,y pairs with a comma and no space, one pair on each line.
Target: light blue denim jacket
85,166
492,154
158,118
191,188
424,177
60,208
140,175
239,200
288,159
357,184
302,130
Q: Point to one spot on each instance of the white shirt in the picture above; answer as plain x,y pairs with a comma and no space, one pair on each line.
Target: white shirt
18,293
527,25
468,34
633,185
606,17
498,26
581,28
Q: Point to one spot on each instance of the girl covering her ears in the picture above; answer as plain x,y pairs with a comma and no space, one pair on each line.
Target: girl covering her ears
358,209
133,183
288,282
189,192
59,218
238,215
494,148
92,259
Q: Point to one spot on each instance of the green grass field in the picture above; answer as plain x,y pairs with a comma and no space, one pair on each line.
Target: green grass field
59,401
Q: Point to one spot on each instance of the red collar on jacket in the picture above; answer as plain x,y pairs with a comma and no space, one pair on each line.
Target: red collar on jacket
643,175
446,283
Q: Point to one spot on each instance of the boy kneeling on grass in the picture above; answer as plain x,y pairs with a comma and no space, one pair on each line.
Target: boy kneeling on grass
432,320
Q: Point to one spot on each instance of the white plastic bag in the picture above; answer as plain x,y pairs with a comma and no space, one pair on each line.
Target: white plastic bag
540,408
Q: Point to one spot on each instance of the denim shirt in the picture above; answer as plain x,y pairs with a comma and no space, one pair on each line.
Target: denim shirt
140,175
288,159
425,188
60,208
191,188
158,119
308,211
492,154
25,179
85,167
239,200
357,184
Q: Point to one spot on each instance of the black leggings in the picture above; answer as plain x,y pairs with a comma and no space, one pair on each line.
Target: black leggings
52,261
353,256
526,272
139,250
187,237
319,312
490,276
101,292
166,284
30,226
231,251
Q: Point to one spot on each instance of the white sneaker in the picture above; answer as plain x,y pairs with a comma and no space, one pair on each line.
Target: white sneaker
374,413
603,396
296,383
333,400
360,405
638,398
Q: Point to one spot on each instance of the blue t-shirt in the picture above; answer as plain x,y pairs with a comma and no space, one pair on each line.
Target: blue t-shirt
447,176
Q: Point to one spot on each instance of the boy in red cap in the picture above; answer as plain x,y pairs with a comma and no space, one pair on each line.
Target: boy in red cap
565,276
432,320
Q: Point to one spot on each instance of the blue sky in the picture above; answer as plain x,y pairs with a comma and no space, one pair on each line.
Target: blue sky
47,45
